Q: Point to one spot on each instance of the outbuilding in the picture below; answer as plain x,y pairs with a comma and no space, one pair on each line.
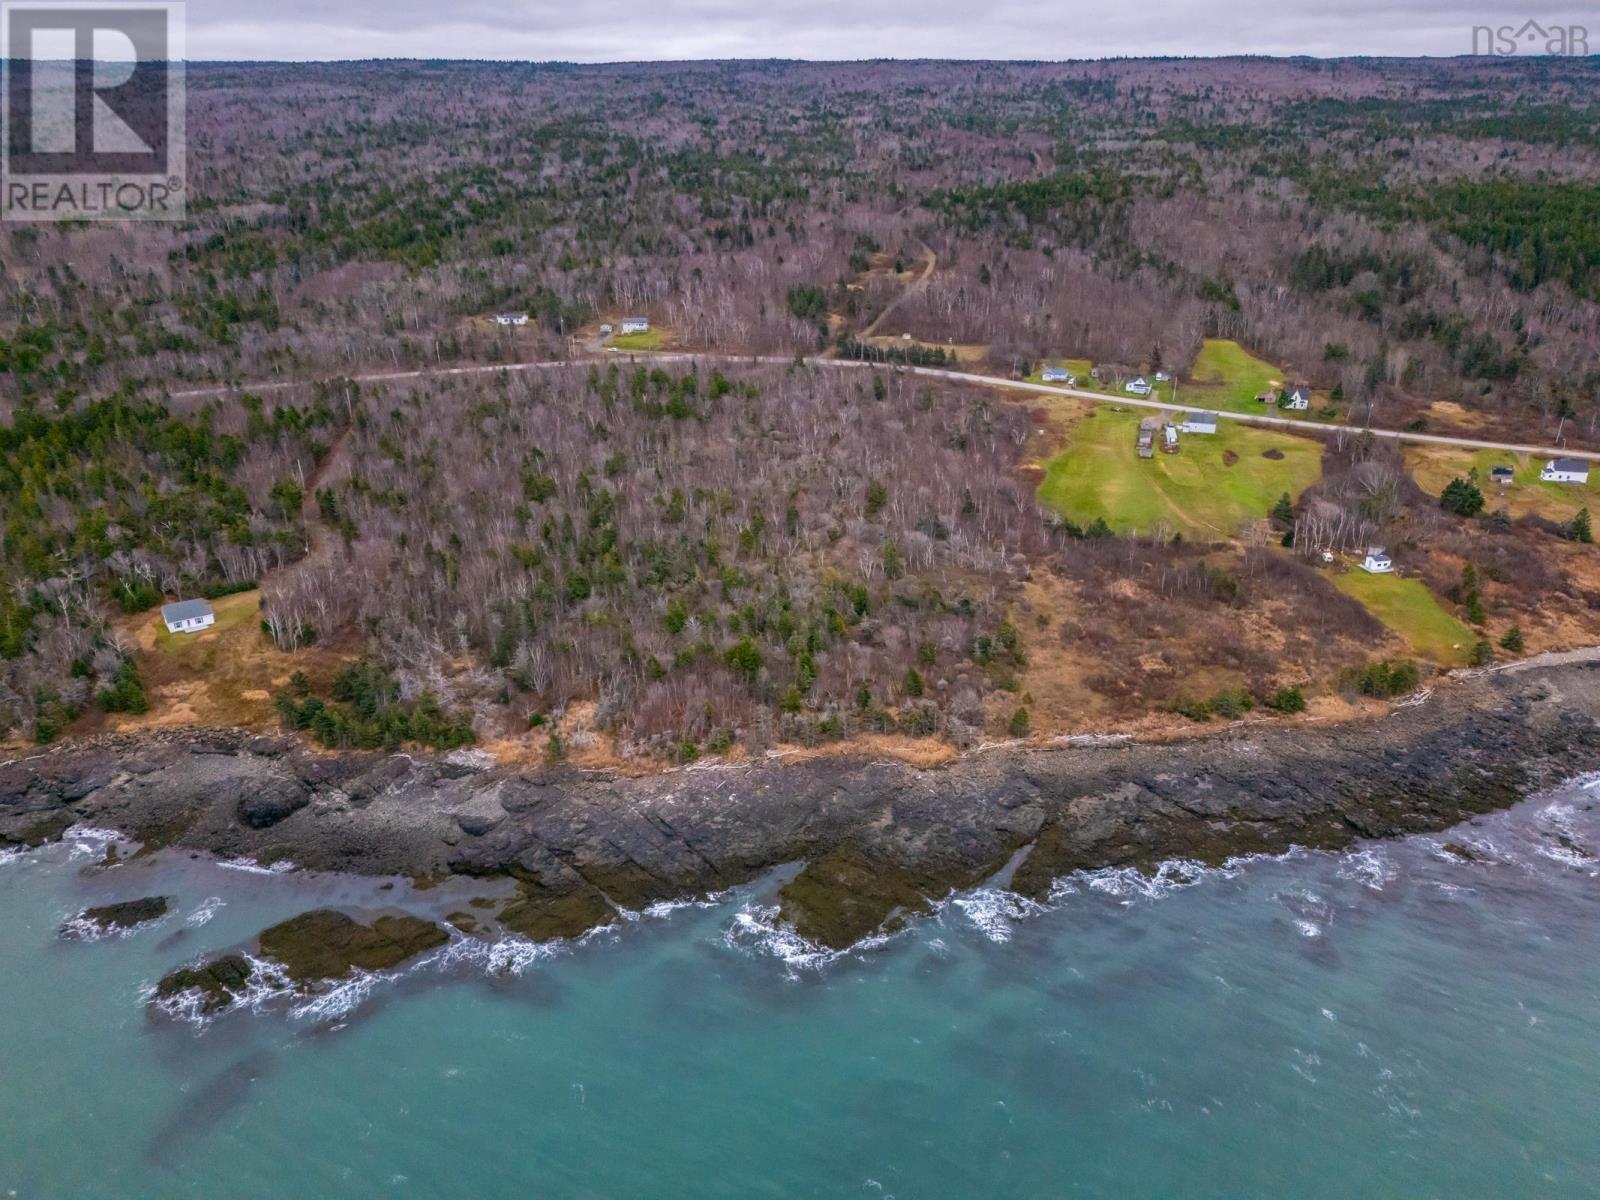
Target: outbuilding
1377,561
1199,422
188,616
511,319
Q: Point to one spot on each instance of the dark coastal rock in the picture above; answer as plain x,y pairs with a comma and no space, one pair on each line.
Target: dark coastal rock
125,914
325,944
217,983
271,803
543,916
878,840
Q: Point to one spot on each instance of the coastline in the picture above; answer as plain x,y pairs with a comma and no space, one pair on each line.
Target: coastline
877,841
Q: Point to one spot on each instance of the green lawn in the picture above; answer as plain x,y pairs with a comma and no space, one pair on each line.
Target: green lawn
1228,377
1410,609
650,339
1435,466
1194,492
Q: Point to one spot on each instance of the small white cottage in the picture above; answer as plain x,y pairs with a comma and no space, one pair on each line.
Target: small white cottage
635,325
188,616
1055,375
1565,470
511,319
1377,561
1138,387
1298,398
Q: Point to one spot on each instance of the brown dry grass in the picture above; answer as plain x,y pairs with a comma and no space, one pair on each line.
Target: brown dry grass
225,675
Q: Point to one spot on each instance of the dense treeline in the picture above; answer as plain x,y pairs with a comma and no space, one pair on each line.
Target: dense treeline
112,506
702,556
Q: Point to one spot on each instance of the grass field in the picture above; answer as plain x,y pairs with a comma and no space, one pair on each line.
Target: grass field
1435,466
1228,377
224,675
650,339
1195,492
1410,609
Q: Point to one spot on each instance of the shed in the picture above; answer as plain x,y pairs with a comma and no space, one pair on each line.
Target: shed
1377,561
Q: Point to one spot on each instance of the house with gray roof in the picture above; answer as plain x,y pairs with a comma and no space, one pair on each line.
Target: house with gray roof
188,616
1565,470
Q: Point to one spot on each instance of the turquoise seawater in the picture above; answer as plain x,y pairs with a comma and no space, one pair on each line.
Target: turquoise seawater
1389,1022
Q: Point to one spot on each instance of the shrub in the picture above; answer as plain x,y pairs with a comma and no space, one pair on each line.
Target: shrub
1512,640
1482,653
1287,700
1020,723
1579,530
1384,680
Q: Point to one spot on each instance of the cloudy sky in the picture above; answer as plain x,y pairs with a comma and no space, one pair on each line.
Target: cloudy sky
587,31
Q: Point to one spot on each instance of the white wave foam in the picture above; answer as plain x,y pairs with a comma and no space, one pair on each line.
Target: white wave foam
86,841
1307,928
756,929
1367,867
511,955
209,907
1129,884
251,867
993,911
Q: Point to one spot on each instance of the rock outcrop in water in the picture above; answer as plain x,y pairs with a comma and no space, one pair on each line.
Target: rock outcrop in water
125,914
877,839
303,953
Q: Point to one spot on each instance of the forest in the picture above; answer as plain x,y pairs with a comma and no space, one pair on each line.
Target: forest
695,556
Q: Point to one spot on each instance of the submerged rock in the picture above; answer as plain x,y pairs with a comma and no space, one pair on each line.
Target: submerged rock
125,914
325,944
217,983
543,916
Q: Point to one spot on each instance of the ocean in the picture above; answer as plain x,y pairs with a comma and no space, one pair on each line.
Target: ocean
1409,1019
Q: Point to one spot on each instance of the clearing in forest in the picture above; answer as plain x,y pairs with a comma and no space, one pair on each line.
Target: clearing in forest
1213,484
1435,466
1228,377
1411,610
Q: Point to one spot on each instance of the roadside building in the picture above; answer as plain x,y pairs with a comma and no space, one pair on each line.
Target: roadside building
1056,375
1138,387
1565,470
1502,475
1199,422
1298,398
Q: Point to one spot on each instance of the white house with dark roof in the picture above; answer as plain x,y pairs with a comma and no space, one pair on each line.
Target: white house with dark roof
1057,375
1298,398
635,325
1138,387
188,616
1565,470
1377,561
1502,475
511,319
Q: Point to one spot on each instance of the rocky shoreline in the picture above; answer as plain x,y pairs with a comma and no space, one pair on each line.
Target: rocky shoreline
878,840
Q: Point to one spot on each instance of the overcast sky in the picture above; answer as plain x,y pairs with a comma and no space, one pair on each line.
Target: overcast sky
585,31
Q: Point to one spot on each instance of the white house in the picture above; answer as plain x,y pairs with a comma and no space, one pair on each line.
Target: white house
605,330
1138,387
188,616
1056,375
1565,470
1377,562
1299,398
635,325
1162,377
511,319
1199,422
